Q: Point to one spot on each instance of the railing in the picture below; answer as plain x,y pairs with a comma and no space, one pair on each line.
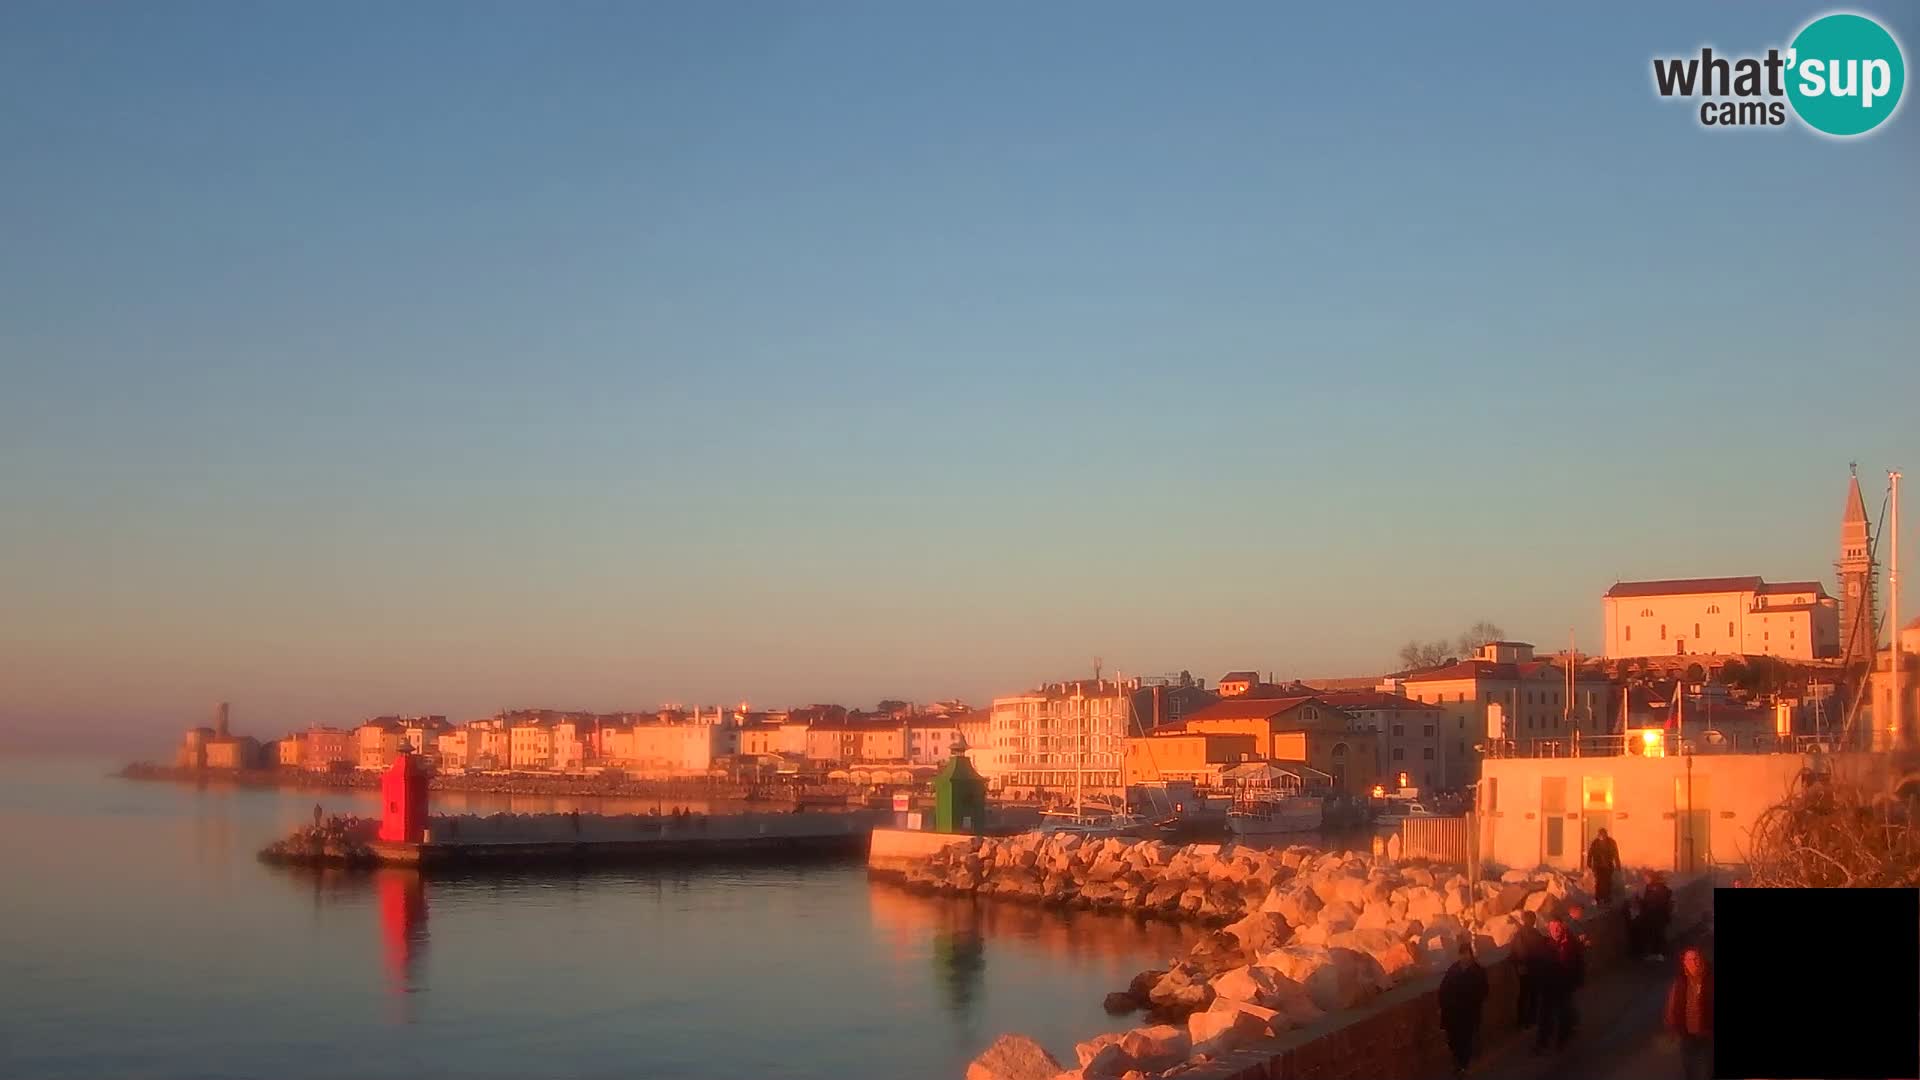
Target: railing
1664,744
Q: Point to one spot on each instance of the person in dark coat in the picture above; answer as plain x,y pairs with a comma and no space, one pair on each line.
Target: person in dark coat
1656,911
1603,858
1463,990
1527,945
1690,1014
1563,968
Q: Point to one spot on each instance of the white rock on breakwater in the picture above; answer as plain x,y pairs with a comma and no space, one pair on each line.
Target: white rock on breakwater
1306,932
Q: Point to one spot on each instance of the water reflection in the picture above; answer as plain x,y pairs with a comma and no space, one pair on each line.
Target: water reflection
952,936
403,932
960,968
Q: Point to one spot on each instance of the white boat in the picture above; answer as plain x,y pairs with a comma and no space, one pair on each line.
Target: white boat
1091,823
1269,815
1389,817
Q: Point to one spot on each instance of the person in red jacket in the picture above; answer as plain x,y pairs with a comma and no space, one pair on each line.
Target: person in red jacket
1690,1013
1562,970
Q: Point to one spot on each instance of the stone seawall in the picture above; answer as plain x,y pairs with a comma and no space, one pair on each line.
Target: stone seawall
898,852
1313,947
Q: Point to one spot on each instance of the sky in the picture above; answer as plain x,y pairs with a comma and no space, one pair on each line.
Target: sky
446,357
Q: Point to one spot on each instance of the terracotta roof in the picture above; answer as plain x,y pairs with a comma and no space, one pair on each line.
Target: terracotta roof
1683,586
1813,587
1245,708
1488,669
1374,700
1240,676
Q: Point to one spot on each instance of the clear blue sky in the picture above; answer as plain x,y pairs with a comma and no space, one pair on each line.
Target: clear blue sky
446,356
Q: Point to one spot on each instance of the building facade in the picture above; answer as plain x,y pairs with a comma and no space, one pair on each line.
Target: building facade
1735,616
1063,736
1408,735
1302,729
377,741
1201,758
1532,700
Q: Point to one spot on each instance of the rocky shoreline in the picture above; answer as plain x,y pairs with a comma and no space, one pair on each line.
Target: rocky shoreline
1298,934
340,839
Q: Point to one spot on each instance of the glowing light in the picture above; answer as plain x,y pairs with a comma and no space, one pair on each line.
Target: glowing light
1649,737
1379,792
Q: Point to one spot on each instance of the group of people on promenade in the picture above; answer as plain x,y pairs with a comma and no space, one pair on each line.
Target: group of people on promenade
1551,966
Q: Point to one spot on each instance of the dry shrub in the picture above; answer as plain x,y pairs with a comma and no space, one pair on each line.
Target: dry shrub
1829,834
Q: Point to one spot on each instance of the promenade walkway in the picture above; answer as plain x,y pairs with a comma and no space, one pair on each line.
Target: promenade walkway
1621,1032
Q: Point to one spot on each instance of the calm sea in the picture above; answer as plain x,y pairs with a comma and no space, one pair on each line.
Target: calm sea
140,938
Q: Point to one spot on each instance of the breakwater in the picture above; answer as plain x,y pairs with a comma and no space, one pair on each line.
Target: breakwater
1305,945
506,841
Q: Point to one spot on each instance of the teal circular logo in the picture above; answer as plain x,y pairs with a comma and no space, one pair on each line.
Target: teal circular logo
1845,74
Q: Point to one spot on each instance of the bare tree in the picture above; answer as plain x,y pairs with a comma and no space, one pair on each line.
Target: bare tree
1831,834
1424,654
1479,634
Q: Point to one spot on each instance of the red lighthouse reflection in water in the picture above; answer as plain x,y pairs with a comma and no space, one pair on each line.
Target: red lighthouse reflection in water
403,929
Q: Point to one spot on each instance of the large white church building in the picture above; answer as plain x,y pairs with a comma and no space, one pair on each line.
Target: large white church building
1743,616
1747,616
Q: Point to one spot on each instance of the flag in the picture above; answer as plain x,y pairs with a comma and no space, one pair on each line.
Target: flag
1673,714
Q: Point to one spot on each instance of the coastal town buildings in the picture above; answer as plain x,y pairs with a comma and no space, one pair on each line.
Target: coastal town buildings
328,749
232,752
930,739
1201,758
1408,736
377,741
1063,736
1305,730
1531,694
530,743
1164,700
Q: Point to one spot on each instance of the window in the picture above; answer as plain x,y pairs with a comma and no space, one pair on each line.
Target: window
1646,613
1398,754
1399,730
1696,630
1729,627
1663,631
1713,609
1529,697
1429,731
1629,633
1553,794
1460,748
1427,753
1309,713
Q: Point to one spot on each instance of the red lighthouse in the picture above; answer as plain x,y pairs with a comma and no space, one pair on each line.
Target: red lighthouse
403,795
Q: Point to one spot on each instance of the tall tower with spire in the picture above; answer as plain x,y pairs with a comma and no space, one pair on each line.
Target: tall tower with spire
1855,573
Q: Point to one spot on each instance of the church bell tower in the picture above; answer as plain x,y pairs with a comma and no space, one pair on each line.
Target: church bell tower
1855,573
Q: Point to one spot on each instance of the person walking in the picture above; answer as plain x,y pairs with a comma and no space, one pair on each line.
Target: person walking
1656,911
1463,990
1603,858
1690,1014
1527,946
1563,968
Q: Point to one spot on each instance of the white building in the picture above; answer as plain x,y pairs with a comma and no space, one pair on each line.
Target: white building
1737,616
